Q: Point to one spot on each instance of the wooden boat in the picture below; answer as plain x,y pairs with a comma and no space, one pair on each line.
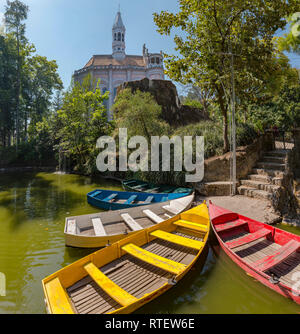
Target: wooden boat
117,200
133,271
269,254
138,185
103,228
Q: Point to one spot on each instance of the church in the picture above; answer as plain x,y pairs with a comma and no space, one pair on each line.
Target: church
114,69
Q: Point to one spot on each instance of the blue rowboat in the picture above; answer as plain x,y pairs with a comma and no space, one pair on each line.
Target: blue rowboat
116,200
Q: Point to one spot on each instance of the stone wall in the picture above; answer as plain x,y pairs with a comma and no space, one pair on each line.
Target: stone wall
216,180
165,94
218,168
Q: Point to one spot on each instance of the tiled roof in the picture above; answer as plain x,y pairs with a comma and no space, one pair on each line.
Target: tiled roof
105,60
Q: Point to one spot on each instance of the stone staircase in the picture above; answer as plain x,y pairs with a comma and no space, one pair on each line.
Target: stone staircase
267,176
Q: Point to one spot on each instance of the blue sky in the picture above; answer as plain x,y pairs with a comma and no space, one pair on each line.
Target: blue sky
71,31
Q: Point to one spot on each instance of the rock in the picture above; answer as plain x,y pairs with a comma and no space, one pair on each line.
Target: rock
165,94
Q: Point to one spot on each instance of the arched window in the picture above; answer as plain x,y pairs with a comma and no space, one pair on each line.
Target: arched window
115,36
157,60
122,37
152,60
119,36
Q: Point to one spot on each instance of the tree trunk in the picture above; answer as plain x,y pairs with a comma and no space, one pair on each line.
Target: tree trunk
223,108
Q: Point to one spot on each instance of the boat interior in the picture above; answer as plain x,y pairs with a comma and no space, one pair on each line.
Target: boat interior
125,220
265,248
119,275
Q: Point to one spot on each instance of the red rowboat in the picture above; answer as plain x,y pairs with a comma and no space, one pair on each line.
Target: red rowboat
269,254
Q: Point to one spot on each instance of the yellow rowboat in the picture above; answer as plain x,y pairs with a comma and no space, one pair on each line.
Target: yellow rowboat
133,271
105,228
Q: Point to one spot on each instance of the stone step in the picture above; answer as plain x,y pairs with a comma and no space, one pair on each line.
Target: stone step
271,165
254,193
277,153
260,177
268,172
259,185
270,158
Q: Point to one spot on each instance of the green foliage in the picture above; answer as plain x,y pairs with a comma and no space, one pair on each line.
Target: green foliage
214,28
80,122
291,41
140,114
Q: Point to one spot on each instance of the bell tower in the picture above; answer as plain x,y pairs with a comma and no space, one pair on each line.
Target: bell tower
118,37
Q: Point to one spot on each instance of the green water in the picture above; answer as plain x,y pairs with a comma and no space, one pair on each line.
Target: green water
33,207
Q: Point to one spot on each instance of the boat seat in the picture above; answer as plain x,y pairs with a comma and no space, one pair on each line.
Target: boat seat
154,217
263,232
98,227
131,199
135,226
96,193
71,226
110,197
153,259
192,226
111,288
139,186
172,209
168,216
231,224
58,298
152,189
176,239
149,199
272,260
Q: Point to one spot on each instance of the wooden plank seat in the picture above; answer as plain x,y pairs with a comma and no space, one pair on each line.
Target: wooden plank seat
153,259
139,186
98,227
263,232
131,199
149,199
112,289
154,217
230,225
176,239
191,226
110,197
152,189
272,260
71,226
58,298
135,226
170,209
96,193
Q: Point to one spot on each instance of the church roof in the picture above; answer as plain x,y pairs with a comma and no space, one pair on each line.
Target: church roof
118,21
106,60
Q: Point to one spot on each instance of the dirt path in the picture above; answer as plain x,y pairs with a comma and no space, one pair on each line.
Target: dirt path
253,208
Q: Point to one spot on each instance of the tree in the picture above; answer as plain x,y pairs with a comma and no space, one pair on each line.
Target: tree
291,41
81,121
139,113
15,13
221,37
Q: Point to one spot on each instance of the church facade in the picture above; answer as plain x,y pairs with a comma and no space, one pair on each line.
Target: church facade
114,69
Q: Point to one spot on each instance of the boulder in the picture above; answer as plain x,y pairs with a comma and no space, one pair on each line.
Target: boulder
165,94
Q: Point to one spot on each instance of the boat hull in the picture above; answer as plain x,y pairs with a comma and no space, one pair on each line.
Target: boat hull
279,288
128,274
260,276
88,241
101,203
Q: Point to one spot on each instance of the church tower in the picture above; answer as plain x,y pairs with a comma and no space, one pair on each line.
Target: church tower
118,36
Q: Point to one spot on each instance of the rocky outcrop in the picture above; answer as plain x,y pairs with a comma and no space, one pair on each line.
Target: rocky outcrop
165,94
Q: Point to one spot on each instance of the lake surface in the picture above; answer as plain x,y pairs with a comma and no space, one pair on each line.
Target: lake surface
33,207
